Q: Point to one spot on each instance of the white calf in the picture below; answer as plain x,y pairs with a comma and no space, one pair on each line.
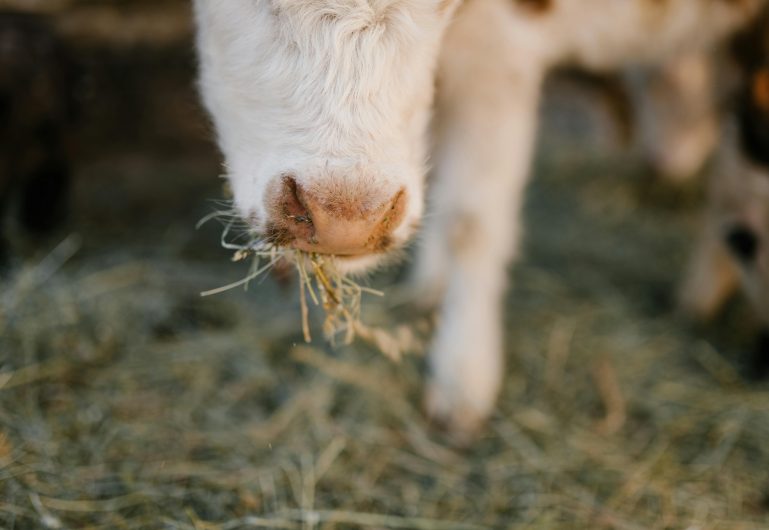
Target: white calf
321,109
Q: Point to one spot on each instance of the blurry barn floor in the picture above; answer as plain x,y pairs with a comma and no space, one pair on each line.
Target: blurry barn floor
128,401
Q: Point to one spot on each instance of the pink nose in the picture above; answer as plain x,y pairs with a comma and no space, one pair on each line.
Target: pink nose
334,218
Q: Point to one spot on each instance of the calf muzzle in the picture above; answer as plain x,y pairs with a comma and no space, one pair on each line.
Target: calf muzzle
339,218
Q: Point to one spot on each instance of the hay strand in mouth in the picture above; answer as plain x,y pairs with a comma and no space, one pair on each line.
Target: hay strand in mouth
304,309
340,297
322,283
245,281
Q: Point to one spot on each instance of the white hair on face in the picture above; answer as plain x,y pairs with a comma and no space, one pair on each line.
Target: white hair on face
321,90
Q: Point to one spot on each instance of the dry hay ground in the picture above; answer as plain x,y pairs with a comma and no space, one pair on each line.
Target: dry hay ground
126,401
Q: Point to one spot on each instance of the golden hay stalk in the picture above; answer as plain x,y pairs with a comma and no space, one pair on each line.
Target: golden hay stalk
321,282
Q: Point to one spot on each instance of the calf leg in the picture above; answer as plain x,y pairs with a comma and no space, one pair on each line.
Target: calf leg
677,115
488,92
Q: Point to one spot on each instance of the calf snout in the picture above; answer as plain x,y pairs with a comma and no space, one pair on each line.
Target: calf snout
337,217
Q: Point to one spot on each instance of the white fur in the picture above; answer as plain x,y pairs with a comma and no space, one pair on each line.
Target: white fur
315,88
312,88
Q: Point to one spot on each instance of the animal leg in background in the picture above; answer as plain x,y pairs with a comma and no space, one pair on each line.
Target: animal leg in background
677,115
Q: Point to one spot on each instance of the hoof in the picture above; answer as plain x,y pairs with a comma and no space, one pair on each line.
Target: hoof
460,422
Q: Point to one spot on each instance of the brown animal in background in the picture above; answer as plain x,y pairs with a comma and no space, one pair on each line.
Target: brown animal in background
733,251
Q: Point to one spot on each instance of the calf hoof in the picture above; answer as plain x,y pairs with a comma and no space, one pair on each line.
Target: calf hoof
460,421
466,372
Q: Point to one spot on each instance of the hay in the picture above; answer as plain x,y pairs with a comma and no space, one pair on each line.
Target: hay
320,282
129,402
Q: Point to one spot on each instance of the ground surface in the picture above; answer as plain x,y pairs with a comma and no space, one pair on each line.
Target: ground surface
127,401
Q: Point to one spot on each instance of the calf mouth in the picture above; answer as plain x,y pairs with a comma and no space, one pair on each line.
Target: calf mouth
250,234
382,250
324,279
281,237
274,246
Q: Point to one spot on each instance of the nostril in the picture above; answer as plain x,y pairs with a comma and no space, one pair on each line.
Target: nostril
289,214
292,204
332,216
742,242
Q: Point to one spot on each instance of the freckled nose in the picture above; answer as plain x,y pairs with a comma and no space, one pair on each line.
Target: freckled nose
335,218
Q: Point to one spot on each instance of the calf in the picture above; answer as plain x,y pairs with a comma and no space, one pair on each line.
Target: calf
322,110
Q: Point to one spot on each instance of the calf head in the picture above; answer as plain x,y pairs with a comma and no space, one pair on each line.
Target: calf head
321,111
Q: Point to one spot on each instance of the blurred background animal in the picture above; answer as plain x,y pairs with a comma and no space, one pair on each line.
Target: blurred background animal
733,251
